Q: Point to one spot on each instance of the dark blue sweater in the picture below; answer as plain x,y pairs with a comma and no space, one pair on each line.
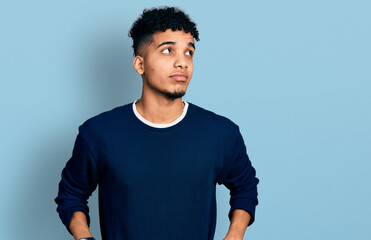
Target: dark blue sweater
157,183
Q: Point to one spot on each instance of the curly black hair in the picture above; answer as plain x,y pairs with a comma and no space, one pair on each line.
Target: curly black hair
160,19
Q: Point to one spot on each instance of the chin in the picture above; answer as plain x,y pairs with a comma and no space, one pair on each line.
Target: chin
174,95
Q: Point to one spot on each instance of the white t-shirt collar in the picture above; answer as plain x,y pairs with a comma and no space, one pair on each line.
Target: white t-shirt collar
157,125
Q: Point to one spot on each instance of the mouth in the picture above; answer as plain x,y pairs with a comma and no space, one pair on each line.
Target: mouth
179,77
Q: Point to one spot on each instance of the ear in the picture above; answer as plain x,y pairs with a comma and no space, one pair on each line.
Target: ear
138,64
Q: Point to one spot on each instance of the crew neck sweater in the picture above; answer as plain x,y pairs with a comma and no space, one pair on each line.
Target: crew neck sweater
157,183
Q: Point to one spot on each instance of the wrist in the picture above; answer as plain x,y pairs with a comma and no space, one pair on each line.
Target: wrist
83,235
229,237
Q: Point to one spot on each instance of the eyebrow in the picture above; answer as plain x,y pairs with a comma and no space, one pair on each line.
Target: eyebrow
173,43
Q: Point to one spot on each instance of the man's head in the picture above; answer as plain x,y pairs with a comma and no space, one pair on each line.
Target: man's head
160,19
163,43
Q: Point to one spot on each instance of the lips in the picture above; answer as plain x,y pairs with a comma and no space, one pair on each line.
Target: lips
180,77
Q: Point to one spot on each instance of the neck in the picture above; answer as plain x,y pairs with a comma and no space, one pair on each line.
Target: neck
160,111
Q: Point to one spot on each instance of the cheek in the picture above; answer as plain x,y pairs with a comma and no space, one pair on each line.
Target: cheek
190,63
190,66
149,67
151,64
158,67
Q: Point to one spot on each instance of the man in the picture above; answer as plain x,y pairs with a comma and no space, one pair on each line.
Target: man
157,160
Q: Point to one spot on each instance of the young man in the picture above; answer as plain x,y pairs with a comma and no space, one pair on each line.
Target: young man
157,160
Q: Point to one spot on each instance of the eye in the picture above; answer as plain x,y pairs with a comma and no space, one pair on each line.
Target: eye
166,50
190,53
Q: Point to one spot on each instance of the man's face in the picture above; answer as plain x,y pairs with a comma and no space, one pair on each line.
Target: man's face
168,63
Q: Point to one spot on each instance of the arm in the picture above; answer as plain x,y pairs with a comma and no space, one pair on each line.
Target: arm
79,179
239,223
79,226
238,176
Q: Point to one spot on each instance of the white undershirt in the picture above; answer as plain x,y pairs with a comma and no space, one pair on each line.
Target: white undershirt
157,125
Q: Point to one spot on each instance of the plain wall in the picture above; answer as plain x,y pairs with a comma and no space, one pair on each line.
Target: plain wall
294,75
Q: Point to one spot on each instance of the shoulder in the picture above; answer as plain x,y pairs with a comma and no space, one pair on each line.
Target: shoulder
106,121
210,120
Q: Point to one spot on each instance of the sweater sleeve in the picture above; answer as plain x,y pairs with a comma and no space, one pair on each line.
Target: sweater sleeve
79,180
239,177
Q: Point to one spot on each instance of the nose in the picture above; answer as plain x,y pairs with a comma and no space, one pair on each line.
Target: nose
180,61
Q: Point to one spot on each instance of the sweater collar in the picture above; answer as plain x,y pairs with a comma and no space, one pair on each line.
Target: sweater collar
156,125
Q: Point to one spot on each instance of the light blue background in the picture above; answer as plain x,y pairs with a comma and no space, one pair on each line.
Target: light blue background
294,75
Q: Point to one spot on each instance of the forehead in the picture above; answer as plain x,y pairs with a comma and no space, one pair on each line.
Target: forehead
178,36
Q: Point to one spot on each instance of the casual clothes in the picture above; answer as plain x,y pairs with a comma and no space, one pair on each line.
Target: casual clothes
157,183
